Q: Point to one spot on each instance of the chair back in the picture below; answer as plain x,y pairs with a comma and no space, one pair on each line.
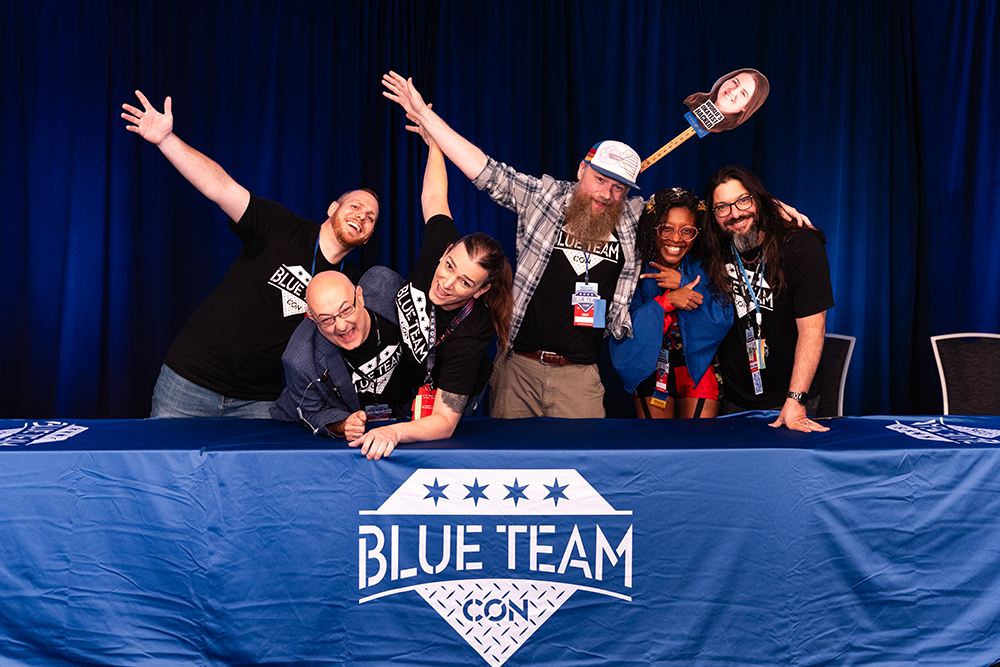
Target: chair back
831,375
969,368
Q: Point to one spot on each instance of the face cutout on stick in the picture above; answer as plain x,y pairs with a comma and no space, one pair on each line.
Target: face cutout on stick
734,98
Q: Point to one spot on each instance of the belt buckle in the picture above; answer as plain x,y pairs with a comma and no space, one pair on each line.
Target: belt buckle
543,355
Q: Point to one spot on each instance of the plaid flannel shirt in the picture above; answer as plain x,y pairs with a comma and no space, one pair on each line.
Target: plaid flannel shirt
540,204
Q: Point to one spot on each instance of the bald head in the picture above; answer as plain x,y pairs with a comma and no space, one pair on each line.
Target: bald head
330,297
328,291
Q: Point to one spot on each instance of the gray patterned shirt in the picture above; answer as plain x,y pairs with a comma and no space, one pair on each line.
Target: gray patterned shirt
540,204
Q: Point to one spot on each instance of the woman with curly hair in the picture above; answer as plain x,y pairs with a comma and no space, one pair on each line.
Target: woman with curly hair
667,364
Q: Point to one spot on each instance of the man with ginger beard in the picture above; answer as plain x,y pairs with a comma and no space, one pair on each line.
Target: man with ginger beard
777,277
226,361
576,266
340,364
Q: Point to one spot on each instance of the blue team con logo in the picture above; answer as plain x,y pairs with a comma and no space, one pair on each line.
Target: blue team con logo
292,282
34,433
938,430
495,552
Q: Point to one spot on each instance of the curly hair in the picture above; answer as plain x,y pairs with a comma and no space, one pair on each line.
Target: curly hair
655,213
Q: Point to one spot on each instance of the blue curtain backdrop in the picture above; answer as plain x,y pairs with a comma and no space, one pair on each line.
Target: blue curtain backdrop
881,125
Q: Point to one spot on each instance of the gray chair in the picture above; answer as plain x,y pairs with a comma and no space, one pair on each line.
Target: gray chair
831,375
969,367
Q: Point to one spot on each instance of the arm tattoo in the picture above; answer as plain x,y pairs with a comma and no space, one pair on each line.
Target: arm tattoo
454,402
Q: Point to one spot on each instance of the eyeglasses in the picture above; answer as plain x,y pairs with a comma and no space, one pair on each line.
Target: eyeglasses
330,320
743,203
666,232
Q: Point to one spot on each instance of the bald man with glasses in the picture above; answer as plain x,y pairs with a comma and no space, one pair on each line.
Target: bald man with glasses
340,364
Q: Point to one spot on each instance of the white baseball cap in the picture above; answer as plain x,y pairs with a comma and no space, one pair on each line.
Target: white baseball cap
615,160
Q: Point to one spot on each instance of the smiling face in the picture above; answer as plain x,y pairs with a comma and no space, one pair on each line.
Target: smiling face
672,250
329,297
600,191
735,93
740,226
353,218
457,279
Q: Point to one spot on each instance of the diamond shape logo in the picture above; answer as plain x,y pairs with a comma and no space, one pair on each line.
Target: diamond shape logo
496,616
38,432
543,526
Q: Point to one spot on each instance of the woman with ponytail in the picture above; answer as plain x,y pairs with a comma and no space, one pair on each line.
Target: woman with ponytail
457,297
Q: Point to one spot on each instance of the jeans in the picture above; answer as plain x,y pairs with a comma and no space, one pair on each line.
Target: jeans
175,397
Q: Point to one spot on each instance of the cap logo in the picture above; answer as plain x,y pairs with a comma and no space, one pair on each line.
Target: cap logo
617,160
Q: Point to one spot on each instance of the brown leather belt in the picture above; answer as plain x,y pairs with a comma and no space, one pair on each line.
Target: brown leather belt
547,358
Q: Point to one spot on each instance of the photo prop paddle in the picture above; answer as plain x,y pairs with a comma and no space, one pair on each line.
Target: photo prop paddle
733,99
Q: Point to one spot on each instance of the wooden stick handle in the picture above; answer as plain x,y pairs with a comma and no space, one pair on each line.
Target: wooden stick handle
674,143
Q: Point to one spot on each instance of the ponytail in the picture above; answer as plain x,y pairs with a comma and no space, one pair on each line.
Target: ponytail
485,251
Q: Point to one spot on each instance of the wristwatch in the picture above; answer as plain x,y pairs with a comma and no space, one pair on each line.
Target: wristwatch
800,396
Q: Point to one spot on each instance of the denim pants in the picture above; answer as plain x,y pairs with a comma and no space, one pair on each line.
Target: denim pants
174,397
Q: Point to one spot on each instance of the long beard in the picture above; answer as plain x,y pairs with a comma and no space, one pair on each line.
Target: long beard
583,224
749,239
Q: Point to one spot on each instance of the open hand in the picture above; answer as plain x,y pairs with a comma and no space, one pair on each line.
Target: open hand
149,123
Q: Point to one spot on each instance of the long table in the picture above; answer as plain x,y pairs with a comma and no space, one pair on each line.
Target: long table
523,542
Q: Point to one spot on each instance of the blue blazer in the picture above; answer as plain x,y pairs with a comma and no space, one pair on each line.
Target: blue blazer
702,329
311,358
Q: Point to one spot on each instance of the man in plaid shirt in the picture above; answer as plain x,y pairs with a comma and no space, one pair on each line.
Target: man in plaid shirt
576,266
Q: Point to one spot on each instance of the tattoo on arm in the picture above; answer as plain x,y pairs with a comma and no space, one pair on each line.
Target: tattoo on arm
454,402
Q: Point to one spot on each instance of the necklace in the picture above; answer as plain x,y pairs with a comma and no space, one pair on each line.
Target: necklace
754,260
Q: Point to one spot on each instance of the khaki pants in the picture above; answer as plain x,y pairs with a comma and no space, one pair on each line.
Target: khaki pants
522,387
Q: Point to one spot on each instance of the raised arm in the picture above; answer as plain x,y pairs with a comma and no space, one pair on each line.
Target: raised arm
434,196
201,171
467,156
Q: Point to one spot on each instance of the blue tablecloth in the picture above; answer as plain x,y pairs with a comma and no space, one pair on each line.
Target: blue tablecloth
592,542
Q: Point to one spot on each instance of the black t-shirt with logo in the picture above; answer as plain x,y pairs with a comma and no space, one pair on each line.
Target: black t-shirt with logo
548,320
373,365
807,291
461,364
232,343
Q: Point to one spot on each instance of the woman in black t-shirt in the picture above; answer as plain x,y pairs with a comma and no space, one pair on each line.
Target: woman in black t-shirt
457,296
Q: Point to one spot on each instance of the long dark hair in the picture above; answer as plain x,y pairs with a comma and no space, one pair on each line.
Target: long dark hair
716,248
731,120
656,211
485,251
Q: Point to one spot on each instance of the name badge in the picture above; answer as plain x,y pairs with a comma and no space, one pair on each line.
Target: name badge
588,306
423,404
660,395
378,413
752,354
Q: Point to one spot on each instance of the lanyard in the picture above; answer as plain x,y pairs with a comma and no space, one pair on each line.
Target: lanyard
312,273
746,281
432,337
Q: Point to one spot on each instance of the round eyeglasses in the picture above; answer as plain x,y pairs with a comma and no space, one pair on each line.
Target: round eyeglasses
666,232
